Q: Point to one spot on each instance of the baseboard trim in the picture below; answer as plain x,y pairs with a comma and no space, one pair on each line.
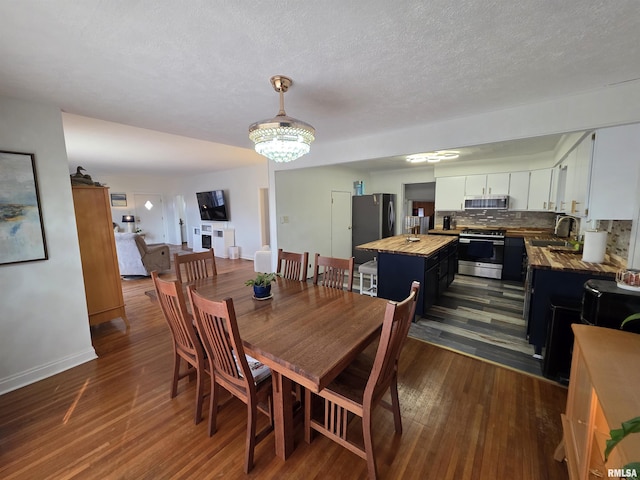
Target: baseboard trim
35,374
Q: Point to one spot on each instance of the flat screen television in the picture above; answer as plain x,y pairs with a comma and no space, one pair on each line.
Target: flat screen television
213,206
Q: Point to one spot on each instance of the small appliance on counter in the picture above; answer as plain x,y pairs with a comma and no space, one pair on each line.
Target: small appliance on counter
605,304
446,222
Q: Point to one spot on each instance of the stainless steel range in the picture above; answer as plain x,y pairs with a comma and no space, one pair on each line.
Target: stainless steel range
481,252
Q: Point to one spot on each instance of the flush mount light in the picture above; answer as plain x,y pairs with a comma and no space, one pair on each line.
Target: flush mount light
282,138
433,157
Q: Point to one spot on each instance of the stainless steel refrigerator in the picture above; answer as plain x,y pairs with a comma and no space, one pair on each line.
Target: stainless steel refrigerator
372,218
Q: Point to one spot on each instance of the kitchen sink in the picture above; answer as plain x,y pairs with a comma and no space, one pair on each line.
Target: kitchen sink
549,243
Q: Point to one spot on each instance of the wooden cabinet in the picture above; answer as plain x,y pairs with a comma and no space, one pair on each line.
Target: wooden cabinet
614,174
602,394
450,193
519,190
489,184
98,254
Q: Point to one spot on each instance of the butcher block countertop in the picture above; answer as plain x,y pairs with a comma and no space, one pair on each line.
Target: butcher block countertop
426,246
550,259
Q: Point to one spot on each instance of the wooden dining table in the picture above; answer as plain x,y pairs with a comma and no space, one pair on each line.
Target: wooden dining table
305,333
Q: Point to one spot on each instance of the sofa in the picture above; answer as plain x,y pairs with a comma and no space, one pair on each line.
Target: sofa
135,257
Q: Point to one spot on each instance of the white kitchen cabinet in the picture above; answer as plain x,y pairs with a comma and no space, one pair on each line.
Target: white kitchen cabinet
450,193
540,186
553,191
518,190
575,179
489,184
580,200
614,173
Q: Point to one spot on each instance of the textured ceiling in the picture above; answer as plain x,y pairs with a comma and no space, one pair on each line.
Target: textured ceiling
201,69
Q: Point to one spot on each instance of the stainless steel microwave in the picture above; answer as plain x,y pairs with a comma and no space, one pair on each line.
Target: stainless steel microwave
484,202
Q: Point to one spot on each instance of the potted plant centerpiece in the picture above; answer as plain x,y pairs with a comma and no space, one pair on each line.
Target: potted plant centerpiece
262,284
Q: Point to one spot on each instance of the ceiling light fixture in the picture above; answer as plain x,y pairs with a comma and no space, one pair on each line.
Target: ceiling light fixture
282,138
433,157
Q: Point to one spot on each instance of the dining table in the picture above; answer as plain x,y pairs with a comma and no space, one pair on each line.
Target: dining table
304,333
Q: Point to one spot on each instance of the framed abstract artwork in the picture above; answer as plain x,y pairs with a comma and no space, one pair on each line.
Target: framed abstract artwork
21,228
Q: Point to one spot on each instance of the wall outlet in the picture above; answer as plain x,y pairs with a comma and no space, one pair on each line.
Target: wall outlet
518,214
284,219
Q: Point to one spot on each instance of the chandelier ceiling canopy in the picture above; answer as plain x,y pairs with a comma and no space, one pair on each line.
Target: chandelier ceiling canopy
282,138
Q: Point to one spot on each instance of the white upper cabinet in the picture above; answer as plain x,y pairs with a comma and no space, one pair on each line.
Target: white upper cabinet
614,174
490,184
540,186
519,190
573,183
450,193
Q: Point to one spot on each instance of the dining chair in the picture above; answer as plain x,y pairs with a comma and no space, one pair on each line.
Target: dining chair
241,375
361,386
186,344
331,272
195,265
293,265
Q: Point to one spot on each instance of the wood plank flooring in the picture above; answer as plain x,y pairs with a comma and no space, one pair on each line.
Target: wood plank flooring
112,418
481,317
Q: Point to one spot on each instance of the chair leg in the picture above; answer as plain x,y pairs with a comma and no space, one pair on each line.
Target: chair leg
252,413
199,395
395,404
307,415
213,407
368,445
176,375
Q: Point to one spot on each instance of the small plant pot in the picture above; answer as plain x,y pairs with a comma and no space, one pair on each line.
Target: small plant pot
260,291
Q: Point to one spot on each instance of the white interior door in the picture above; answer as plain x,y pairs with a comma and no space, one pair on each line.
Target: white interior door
150,217
341,224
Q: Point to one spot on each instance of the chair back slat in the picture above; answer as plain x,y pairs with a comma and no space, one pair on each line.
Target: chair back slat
293,265
216,322
333,272
195,265
397,320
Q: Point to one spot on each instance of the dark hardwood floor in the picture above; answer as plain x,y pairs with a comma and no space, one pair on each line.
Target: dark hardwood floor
112,418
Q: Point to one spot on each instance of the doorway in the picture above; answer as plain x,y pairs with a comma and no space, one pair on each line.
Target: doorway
419,207
150,217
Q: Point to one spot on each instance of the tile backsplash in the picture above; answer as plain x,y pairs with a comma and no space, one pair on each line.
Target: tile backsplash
617,241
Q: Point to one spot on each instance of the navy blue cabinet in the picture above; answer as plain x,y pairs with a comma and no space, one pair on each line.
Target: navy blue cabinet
513,267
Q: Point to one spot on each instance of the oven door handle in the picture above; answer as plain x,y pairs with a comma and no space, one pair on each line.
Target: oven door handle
486,240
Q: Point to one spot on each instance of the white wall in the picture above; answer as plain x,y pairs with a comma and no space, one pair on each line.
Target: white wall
44,323
304,196
241,187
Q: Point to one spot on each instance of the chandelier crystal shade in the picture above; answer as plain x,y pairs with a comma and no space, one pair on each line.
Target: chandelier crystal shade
282,138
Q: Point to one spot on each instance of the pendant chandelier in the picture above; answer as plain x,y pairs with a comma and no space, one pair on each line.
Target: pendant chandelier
282,138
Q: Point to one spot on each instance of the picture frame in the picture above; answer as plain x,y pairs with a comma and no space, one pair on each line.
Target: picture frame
118,199
22,233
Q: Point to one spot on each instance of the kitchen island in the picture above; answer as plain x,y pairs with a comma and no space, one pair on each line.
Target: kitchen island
430,259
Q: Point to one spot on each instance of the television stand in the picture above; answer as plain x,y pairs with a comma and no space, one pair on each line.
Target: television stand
207,236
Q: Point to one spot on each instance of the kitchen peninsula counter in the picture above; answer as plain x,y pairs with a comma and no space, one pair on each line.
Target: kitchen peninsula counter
558,277
550,258
432,260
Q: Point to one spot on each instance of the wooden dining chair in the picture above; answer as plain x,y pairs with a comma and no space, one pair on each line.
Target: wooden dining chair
361,386
186,344
293,265
241,375
195,265
331,272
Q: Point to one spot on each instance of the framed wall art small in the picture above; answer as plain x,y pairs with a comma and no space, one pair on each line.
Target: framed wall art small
21,228
118,199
